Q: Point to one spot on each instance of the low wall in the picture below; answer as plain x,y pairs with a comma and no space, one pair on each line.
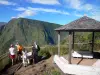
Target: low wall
4,61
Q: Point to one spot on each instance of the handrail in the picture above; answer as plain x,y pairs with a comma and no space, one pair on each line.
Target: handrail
4,60
3,55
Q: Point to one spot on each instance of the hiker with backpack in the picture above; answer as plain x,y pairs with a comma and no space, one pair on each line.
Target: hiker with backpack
35,50
12,53
19,51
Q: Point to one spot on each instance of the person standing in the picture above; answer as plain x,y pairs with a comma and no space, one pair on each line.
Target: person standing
25,58
35,49
19,51
12,53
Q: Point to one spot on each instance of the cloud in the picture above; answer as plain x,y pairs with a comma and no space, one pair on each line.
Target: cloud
13,17
96,14
26,13
29,11
20,9
5,2
79,5
87,7
78,15
49,10
74,4
48,2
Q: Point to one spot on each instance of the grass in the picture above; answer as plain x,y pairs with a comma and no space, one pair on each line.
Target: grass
49,50
52,71
53,49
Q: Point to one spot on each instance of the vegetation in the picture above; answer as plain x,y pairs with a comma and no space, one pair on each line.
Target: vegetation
53,71
49,50
25,31
83,40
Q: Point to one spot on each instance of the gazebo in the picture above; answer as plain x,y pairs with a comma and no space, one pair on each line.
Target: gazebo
83,24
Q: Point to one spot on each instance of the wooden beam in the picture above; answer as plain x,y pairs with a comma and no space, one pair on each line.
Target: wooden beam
73,41
70,47
58,43
92,41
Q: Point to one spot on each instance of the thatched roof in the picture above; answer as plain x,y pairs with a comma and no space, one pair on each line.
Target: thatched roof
83,24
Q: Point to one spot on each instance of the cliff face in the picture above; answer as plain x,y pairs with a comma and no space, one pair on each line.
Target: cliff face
25,31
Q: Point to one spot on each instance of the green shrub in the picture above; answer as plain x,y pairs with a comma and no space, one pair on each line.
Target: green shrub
82,47
44,53
55,72
52,71
52,50
63,50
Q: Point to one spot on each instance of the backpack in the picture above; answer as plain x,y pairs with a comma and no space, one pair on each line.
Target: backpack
20,48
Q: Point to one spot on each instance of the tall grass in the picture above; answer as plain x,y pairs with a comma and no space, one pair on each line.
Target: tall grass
52,50
52,71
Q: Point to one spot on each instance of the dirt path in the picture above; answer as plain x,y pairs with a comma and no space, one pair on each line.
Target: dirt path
36,69
11,70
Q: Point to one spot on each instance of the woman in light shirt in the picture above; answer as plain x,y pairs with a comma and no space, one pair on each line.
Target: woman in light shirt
12,53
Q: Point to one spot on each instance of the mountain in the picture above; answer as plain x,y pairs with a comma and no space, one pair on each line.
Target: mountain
25,31
2,23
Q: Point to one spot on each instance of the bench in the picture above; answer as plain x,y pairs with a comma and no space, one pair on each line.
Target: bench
82,54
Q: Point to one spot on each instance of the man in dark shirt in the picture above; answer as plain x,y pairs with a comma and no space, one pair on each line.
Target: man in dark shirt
35,49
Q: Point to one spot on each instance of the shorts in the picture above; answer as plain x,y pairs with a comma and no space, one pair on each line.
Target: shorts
19,52
12,56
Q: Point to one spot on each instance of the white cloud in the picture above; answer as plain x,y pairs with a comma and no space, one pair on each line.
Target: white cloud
49,10
79,5
78,15
74,4
26,13
97,17
96,14
87,7
13,17
20,9
49,2
5,2
92,11
29,11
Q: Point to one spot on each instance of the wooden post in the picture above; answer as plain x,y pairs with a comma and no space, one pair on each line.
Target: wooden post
70,47
58,43
73,42
92,41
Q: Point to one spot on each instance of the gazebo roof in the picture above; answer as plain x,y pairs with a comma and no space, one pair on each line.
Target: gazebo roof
83,24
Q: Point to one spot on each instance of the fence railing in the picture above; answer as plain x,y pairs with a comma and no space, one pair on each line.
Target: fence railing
4,60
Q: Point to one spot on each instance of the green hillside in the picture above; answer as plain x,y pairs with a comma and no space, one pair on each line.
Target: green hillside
83,40
25,31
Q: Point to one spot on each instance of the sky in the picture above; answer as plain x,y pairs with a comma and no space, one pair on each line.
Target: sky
54,11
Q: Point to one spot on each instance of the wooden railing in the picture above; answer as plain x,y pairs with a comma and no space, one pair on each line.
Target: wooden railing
4,60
